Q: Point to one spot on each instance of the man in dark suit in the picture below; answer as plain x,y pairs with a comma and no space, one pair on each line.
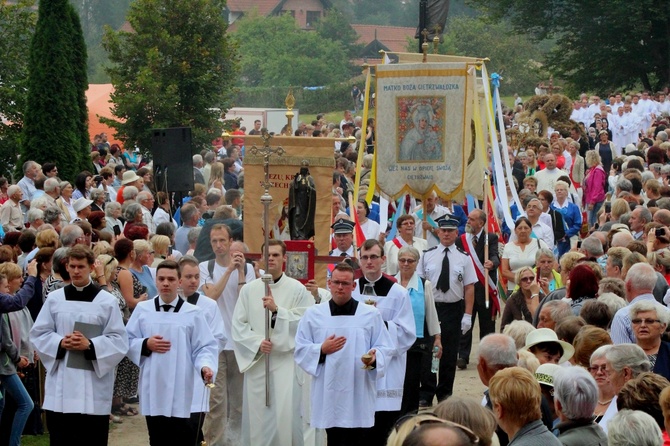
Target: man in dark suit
583,141
474,239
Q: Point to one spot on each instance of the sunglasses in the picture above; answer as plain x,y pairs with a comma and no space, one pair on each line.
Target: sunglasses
408,418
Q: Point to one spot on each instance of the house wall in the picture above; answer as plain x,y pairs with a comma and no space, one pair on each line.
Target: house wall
301,8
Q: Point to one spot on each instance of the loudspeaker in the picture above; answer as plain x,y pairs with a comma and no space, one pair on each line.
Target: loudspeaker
173,159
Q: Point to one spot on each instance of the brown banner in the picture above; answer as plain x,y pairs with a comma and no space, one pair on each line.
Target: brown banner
319,153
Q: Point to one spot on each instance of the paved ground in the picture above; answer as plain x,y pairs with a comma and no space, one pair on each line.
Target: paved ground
133,430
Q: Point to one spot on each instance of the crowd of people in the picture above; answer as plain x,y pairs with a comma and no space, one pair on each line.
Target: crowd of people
119,295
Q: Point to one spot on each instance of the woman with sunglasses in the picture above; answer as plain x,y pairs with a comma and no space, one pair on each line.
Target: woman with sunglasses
524,301
428,334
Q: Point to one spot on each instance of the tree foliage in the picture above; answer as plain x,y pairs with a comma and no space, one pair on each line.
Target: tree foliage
336,27
600,45
95,14
515,57
17,25
176,69
276,52
55,119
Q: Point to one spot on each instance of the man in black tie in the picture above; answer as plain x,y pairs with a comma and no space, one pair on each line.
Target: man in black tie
452,274
473,242
170,341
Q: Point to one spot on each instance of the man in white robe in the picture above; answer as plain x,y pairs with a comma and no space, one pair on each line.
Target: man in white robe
392,301
189,284
330,342
279,423
78,398
170,341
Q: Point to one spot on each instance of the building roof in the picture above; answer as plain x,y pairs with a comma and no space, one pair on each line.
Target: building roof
392,37
265,7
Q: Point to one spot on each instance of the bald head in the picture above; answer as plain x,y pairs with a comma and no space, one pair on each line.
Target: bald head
662,216
622,239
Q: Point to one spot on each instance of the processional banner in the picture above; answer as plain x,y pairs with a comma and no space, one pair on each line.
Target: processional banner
318,152
423,123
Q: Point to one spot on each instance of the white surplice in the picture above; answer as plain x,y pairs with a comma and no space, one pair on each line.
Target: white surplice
166,379
396,311
215,322
343,393
71,390
279,424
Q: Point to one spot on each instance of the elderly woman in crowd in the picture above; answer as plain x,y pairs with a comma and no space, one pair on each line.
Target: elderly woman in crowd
65,201
649,320
518,330
633,427
425,317
405,224
660,260
470,413
623,362
524,301
547,277
98,196
520,252
575,398
160,245
112,215
144,257
642,393
606,393
572,217
370,228
588,340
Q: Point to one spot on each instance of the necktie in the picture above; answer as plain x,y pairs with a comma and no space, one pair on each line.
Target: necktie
474,240
343,254
443,280
166,307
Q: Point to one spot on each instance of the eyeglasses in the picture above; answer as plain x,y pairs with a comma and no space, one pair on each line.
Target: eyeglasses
527,279
646,321
595,368
371,257
410,261
338,283
474,439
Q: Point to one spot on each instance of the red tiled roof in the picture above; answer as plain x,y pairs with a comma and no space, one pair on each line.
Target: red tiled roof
393,37
264,7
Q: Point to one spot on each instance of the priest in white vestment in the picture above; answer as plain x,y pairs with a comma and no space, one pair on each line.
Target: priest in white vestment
393,302
331,339
279,423
171,342
80,338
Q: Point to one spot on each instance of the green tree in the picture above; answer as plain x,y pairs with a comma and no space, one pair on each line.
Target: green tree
175,69
336,27
54,127
515,57
276,52
95,14
600,45
17,25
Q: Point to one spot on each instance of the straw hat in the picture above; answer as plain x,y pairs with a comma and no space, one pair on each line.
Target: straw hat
540,335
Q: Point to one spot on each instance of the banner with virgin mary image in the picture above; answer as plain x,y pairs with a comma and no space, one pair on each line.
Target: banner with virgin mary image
422,120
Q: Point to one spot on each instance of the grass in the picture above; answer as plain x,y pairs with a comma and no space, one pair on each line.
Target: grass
35,440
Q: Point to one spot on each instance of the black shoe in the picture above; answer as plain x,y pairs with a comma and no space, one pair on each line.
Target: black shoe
423,404
462,364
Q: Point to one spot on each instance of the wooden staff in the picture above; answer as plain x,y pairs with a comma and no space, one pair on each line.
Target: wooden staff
486,243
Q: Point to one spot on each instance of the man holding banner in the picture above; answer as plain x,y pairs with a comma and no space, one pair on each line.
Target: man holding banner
473,242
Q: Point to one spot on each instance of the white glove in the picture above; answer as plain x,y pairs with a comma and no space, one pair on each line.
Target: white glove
466,323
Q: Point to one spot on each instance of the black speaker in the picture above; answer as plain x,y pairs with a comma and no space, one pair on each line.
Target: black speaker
173,159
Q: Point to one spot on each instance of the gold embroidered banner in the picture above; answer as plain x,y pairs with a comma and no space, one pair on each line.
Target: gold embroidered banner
319,153
421,125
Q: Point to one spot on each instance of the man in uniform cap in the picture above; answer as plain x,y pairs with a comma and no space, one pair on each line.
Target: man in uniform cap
343,233
452,275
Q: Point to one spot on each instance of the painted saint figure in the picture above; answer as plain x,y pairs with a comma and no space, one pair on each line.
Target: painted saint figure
421,143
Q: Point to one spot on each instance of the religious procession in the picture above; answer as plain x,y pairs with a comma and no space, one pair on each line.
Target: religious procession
437,268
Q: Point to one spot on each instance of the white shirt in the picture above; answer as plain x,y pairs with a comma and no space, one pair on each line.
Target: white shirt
461,272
